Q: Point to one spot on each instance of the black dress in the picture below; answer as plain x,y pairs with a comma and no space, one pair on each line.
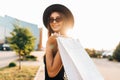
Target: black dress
59,76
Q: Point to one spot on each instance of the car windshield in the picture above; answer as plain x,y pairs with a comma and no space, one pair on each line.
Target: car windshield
6,45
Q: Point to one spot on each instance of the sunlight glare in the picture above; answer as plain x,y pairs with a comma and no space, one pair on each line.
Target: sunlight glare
69,32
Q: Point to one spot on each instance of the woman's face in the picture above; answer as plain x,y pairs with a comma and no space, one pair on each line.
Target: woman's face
56,22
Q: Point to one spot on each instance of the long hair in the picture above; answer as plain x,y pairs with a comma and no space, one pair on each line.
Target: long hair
50,31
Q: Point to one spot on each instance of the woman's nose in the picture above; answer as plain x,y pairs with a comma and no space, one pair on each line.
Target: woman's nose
54,21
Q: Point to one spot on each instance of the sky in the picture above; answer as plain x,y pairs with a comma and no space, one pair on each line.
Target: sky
96,25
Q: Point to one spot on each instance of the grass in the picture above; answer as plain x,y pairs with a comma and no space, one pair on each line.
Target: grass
13,73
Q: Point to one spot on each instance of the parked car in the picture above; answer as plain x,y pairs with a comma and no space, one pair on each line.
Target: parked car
5,47
107,53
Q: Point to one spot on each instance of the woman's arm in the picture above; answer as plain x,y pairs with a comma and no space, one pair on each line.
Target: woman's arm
53,63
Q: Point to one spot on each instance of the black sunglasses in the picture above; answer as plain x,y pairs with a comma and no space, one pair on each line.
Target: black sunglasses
57,19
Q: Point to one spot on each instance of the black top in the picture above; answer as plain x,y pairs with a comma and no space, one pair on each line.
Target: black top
59,76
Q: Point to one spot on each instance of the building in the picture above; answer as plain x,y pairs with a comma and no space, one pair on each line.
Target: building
6,26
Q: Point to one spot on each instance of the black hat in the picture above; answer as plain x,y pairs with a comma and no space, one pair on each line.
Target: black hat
58,8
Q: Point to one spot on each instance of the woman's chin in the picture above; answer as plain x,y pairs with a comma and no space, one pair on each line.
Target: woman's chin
56,30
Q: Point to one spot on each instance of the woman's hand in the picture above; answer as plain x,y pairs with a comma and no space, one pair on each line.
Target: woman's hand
52,43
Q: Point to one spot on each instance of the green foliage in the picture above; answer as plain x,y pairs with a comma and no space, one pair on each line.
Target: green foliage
31,57
12,64
110,58
22,40
91,52
94,53
116,53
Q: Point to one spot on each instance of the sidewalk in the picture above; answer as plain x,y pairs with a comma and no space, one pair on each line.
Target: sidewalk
40,72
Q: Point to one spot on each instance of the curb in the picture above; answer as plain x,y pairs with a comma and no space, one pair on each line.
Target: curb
37,74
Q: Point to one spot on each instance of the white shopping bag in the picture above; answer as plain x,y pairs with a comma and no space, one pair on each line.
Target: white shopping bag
77,63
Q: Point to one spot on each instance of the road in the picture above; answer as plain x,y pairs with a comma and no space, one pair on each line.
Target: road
110,70
6,57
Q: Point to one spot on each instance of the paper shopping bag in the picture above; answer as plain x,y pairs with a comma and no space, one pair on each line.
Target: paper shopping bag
77,63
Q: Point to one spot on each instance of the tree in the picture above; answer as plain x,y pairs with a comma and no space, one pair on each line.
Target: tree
91,52
22,41
116,53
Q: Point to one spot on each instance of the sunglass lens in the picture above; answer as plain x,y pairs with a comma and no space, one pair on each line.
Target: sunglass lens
51,20
58,19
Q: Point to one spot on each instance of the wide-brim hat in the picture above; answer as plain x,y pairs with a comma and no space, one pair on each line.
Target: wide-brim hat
58,8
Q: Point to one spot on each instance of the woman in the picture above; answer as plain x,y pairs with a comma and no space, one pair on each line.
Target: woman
57,19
